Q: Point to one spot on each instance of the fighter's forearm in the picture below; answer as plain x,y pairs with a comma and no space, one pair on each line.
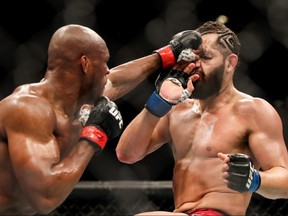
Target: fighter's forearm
125,77
274,183
135,142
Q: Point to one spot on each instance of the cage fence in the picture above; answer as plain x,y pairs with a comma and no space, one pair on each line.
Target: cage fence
117,198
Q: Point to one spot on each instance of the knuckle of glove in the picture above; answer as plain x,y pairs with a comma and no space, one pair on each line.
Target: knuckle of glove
186,55
179,75
194,40
106,116
240,171
239,158
240,163
185,39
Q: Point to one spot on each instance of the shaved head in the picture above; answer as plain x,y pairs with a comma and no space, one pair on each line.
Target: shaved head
69,42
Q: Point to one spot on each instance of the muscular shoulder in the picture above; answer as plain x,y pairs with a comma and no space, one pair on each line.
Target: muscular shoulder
24,107
253,105
256,110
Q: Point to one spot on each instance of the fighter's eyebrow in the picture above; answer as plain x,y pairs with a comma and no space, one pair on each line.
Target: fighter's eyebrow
203,52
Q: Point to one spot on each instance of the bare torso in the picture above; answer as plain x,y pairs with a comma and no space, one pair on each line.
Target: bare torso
13,201
197,137
11,197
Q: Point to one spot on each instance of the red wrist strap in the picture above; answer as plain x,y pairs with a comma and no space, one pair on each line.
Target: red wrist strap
95,135
167,56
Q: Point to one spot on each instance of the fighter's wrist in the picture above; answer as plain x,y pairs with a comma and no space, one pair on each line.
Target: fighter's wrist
167,56
256,182
157,105
95,135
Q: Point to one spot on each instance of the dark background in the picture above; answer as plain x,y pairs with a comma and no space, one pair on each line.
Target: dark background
133,29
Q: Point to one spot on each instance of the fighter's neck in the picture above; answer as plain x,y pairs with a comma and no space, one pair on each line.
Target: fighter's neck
222,98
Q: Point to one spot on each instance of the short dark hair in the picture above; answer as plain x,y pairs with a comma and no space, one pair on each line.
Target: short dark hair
227,39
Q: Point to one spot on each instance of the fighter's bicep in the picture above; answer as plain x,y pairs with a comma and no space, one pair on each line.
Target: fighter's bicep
30,135
266,140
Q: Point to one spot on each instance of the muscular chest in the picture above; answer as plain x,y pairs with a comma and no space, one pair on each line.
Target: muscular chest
206,134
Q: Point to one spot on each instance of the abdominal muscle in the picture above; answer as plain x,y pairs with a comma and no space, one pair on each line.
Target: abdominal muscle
198,183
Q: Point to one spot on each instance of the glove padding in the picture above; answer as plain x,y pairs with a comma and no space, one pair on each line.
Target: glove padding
189,39
242,175
157,104
180,48
179,75
104,122
84,113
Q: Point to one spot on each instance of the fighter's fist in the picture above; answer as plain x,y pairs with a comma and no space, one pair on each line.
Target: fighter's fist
242,175
104,122
184,40
175,80
180,48
172,88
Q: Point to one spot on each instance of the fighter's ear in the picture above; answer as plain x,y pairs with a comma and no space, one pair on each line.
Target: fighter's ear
232,61
84,63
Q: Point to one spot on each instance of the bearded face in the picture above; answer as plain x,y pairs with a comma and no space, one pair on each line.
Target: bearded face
210,84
